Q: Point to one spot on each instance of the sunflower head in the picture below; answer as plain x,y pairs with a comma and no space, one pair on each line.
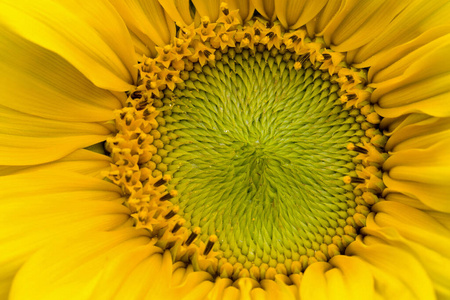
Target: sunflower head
245,149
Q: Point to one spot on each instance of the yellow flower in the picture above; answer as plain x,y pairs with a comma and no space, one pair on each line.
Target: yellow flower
174,149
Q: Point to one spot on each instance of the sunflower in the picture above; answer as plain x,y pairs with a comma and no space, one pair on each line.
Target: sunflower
206,149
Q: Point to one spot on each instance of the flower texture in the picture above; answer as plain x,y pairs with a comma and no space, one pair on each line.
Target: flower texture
207,149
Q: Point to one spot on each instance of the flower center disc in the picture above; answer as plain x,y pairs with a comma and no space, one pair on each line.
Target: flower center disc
248,152
260,156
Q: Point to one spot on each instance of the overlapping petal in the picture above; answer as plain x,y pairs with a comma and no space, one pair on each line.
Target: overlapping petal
39,82
293,14
417,232
396,272
147,20
62,66
41,207
97,44
415,83
178,10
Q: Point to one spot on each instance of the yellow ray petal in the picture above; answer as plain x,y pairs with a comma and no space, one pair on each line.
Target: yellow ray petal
336,285
423,141
180,272
18,152
441,217
42,207
230,293
437,47
413,225
397,273
416,18
29,140
325,18
356,276
92,37
435,262
406,200
178,10
15,123
434,196
277,289
415,126
266,8
363,21
210,8
74,267
435,106
44,84
246,8
332,16
245,287
143,48
146,19
422,87
81,161
314,282
154,272
381,62
293,14
259,293
431,165
220,285
5,284
195,285
134,274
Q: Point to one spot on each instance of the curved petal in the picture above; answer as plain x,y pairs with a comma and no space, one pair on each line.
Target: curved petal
39,82
431,165
381,62
314,282
29,140
416,18
442,218
221,285
39,208
246,8
408,63
92,37
415,126
434,196
413,225
343,277
277,289
293,14
356,276
178,10
134,274
193,285
325,18
81,161
266,8
147,20
75,268
360,22
210,8
416,83
407,200
142,48
393,224
419,161
397,273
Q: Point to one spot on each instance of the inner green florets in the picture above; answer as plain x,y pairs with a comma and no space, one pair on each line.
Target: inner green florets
259,155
